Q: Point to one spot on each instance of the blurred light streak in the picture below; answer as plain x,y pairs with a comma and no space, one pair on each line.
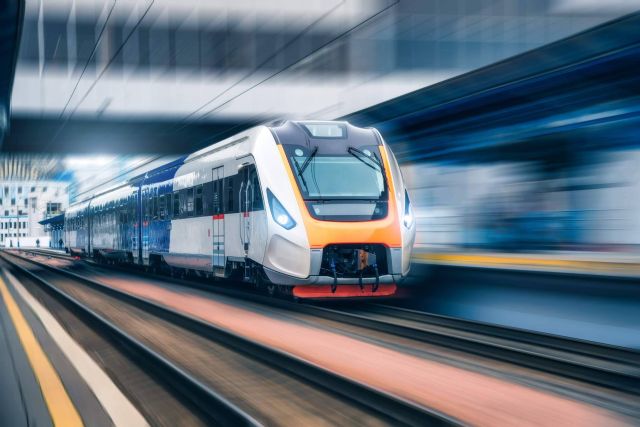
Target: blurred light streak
586,118
81,162
594,6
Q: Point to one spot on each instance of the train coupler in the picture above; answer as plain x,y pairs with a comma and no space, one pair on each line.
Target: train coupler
334,285
375,286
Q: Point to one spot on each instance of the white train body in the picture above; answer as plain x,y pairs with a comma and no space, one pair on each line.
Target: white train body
319,208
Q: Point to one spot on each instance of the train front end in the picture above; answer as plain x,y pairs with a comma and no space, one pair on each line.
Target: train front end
344,227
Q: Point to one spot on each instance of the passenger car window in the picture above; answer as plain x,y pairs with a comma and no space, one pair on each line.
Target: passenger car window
190,201
176,205
198,200
162,207
229,202
154,208
147,207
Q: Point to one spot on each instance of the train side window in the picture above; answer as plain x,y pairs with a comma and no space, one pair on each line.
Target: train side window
162,207
183,203
198,200
154,207
229,206
147,207
256,192
244,183
190,201
207,198
176,204
132,209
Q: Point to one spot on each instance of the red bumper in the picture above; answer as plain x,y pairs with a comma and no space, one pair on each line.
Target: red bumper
344,291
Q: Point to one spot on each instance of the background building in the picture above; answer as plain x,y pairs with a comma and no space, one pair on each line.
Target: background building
23,204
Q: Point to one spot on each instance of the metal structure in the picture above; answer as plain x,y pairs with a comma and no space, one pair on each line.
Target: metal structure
11,16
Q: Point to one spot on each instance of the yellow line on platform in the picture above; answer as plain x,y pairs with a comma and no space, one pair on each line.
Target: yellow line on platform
480,259
61,409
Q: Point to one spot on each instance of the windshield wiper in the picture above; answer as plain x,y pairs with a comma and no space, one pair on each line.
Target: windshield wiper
361,155
302,168
306,162
304,181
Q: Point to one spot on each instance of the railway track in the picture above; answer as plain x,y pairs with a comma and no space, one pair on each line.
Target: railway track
392,409
611,367
602,365
215,406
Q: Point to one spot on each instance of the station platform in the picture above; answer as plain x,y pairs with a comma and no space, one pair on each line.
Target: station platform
577,262
46,378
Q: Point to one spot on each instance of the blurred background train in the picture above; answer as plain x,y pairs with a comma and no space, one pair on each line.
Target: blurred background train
313,209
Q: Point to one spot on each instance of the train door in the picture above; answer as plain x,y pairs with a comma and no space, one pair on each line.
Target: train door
245,206
218,255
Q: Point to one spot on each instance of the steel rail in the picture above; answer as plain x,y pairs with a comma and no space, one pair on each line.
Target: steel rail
576,346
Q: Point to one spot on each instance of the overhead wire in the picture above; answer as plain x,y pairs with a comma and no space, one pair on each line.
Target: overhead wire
293,64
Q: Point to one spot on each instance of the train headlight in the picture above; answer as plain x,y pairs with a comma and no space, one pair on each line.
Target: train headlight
279,213
408,212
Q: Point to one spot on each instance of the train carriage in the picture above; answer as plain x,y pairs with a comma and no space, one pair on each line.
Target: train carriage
76,228
316,209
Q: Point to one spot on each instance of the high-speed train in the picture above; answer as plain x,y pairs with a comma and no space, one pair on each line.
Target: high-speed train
307,208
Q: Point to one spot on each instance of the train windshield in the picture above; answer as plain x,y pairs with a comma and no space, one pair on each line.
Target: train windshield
349,185
339,177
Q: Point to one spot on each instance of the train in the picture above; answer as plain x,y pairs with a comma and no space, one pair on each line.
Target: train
313,209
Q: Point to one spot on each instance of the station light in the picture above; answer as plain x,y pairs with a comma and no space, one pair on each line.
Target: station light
408,211
279,213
